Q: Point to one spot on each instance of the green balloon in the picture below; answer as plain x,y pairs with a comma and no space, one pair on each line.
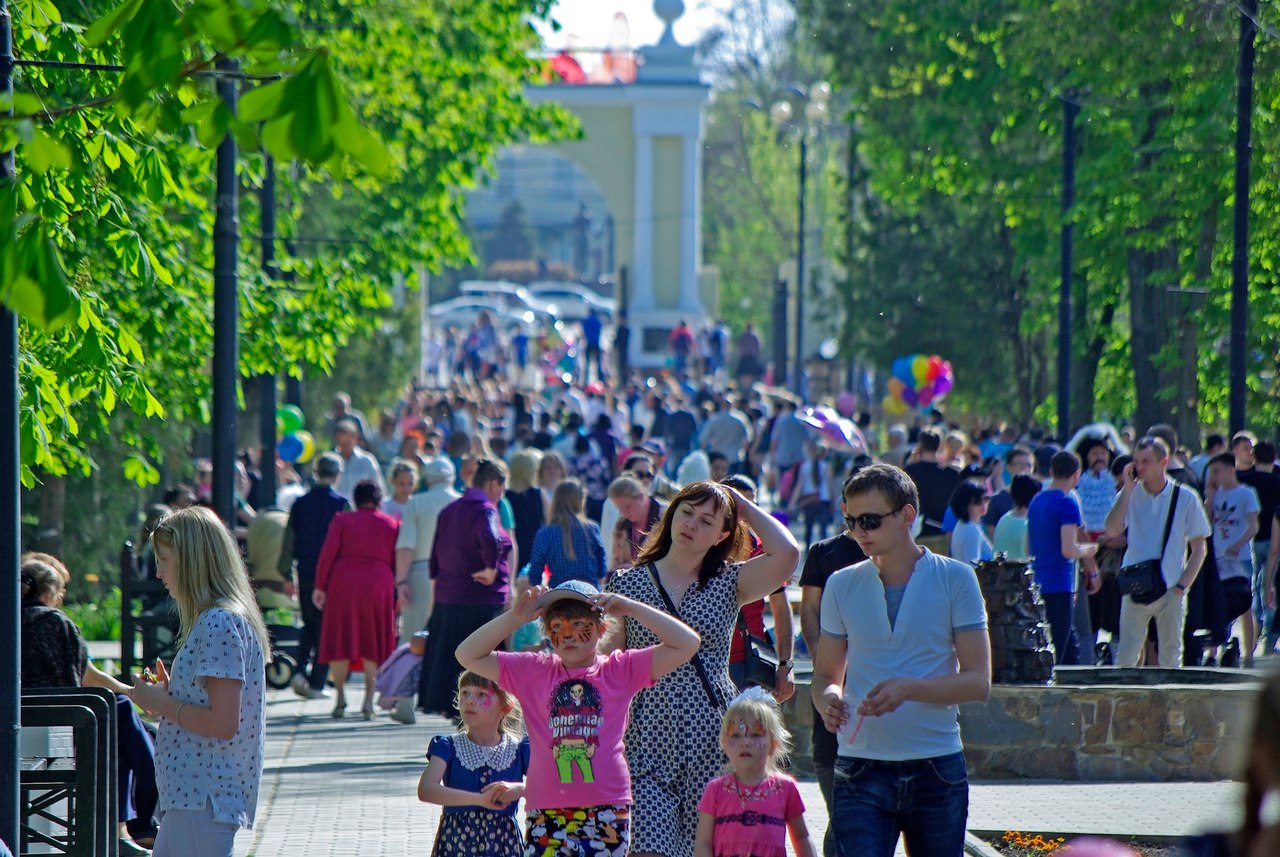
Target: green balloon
289,419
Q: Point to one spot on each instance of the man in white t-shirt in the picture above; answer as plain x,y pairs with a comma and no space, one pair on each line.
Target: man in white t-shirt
904,642
1140,510
1233,510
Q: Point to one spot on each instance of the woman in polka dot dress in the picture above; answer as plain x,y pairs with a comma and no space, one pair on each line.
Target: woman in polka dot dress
673,741
210,747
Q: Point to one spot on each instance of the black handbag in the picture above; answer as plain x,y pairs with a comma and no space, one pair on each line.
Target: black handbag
759,658
1144,581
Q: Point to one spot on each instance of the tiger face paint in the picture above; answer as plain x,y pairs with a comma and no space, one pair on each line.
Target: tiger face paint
579,632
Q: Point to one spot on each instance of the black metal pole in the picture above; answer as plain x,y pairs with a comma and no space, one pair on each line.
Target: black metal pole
1236,399
779,332
10,599
226,356
800,236
267,388
1069,111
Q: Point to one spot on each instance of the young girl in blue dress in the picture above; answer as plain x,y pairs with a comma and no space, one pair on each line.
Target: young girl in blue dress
477,775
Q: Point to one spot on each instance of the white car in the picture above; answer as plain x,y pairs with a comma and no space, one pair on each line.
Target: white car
574,300
462,312
514,297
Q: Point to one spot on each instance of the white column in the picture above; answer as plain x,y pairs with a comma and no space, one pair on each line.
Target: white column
642,228
690,221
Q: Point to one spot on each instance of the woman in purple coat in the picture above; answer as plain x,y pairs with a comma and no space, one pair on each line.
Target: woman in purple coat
355,587
470,578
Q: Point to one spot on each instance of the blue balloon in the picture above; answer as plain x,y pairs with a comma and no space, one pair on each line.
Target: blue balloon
290,448
902,371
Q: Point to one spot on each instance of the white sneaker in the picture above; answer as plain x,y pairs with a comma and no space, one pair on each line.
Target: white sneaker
403,712
303,688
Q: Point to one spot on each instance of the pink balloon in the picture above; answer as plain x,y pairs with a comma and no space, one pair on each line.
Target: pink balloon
845,403
925,398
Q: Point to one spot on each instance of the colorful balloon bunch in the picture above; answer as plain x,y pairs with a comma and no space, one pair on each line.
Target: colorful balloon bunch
296,444
918,381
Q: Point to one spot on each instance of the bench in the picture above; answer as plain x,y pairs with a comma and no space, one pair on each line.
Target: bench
69,803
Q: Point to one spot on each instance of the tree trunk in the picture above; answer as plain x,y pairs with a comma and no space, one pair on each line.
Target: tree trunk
1092,332
1153,311
53,501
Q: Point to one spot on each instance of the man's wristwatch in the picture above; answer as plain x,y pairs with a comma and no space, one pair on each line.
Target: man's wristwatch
787,664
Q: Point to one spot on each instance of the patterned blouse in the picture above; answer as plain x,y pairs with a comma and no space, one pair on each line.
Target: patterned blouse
193,769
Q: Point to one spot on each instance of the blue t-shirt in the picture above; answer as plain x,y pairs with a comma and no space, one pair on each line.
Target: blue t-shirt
1049,511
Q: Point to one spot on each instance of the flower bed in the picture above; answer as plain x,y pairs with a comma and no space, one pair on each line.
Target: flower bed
1016,843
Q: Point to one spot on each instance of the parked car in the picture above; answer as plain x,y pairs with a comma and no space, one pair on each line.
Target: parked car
512,296
463,311
574,300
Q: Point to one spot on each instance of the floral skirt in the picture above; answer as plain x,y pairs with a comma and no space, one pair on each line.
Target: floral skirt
478,833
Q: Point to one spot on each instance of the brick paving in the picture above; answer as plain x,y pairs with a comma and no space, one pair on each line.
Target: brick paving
349,788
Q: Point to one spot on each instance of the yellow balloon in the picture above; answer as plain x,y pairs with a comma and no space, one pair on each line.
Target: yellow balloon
308,446
920,371
893,406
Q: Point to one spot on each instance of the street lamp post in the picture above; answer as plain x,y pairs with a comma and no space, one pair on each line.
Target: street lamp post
803,112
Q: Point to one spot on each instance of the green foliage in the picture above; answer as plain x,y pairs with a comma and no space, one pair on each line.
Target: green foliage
751,171
960,106
98,618
106,235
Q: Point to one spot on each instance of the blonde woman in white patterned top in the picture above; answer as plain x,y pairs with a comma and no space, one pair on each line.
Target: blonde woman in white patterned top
209,753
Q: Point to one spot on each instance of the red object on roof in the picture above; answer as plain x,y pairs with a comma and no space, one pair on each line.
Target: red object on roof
567,68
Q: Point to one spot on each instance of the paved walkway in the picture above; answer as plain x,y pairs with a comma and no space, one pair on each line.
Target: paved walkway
349,788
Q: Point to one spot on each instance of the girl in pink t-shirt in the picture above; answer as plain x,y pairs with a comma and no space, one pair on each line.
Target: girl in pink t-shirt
575,704
747,812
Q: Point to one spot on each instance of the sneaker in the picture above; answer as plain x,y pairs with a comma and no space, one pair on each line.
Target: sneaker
403,712
303,688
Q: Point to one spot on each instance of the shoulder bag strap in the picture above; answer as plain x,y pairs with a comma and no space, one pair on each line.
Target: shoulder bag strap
1168,521
712,696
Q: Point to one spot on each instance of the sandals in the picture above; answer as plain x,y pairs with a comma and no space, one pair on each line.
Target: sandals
339,710
366,711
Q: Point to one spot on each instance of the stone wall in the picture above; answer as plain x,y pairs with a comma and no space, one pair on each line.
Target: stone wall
1093,734
1108,733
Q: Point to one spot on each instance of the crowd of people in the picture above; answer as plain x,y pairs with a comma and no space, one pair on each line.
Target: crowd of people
591,563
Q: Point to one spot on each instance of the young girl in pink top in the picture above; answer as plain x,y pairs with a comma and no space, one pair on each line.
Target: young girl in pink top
749,811
575,703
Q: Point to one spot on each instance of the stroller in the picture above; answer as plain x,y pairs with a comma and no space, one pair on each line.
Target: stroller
283,665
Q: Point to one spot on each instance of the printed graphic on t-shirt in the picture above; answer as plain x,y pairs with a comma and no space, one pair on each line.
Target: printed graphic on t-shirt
576,715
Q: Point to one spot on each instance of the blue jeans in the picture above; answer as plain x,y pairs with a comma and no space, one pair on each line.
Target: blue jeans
924,800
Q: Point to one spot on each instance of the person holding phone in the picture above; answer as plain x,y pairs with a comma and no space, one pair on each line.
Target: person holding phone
1147,497
210,748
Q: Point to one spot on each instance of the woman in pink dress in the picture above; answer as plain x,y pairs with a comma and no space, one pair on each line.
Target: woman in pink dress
355,587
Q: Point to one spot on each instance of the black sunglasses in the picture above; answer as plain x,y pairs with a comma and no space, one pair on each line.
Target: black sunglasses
645,476
869,521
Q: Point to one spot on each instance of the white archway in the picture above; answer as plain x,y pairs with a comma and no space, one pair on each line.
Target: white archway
642,144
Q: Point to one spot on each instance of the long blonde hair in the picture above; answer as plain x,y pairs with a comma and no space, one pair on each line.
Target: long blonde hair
566,510
208,570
